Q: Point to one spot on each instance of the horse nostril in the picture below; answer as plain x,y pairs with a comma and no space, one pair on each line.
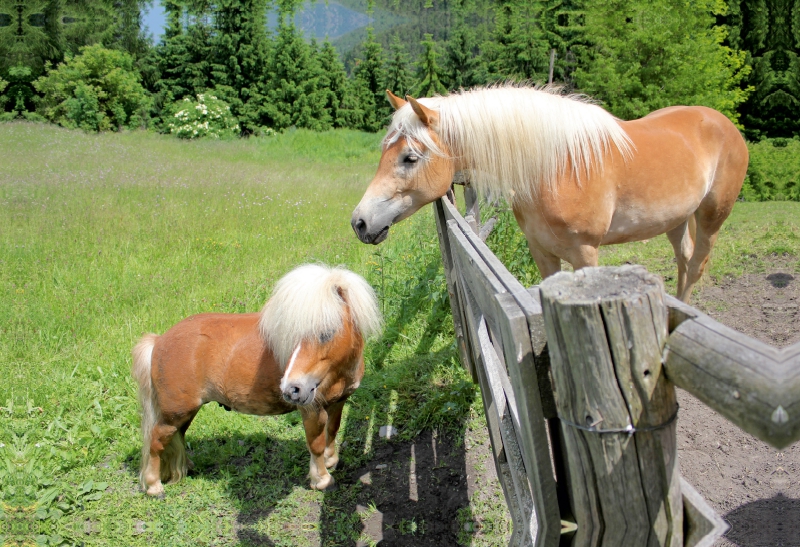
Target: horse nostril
295,390
360,226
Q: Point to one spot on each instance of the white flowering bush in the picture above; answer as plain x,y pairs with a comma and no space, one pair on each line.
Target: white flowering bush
208,116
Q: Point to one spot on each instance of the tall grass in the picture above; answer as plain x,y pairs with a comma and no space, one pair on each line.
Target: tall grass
104,237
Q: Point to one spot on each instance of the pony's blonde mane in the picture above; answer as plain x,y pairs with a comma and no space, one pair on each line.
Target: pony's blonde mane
305,305
515,138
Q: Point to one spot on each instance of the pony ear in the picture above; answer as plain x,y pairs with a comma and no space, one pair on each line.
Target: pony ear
396,102
426,115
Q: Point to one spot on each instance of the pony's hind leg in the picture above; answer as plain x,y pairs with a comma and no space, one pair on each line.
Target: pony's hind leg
331,428
683,244
315,425
168,461
155,471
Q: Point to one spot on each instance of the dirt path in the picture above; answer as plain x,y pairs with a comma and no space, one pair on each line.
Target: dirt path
754,487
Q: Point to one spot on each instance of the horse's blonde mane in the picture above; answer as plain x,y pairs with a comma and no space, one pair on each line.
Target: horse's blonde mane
515,138
305,304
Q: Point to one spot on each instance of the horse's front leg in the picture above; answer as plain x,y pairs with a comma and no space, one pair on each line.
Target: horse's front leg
332,427
314,423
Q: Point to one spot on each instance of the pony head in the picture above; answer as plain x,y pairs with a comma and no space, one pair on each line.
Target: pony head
415,169
316,323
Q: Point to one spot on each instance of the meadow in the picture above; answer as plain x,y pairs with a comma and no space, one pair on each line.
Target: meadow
105,237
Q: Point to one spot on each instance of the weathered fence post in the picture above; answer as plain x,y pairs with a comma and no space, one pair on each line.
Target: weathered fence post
606,330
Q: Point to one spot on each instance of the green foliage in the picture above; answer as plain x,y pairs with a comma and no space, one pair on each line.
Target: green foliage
398,77
206,117
774,171
428,71
519,50
97,90
769,30
240,51
650,54
293,96
369,84
462,64
19,94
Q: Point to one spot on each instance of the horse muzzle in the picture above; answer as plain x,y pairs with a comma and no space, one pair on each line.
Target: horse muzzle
367,234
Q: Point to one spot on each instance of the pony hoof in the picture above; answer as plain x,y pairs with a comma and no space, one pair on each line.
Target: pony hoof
325,483
156,491
332,462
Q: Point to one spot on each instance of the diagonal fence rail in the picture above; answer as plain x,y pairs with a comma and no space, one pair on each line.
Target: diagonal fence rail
585,446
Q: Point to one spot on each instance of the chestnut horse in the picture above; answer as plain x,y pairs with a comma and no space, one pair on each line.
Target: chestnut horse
575,176
303,351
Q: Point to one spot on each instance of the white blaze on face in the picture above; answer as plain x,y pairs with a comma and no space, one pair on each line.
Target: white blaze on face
290,365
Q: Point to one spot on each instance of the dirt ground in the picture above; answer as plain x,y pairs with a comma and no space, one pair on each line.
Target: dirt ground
754,487
441,491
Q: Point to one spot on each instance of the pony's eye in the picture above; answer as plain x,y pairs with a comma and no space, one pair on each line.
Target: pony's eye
411,158
325,337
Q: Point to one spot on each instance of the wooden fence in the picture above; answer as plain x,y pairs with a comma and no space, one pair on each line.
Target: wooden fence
577,378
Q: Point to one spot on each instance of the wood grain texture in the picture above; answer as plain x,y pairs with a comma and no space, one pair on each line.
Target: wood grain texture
606,328
752,384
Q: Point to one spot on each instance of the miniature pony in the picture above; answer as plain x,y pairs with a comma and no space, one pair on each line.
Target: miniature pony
304,352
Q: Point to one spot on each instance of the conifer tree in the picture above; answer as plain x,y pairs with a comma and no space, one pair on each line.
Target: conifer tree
369,83
769,30
519,50
428,71
646,56
563,23
292,94
398,77
182,59
240,53
462,62
340,99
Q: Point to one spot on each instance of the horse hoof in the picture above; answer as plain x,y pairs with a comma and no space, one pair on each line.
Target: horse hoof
331,463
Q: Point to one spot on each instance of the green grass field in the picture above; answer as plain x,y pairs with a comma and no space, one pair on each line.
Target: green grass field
104,237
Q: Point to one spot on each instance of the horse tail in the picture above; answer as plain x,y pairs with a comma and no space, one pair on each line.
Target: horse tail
151,413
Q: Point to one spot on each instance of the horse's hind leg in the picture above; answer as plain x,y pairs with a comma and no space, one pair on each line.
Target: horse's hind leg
683,245
706,236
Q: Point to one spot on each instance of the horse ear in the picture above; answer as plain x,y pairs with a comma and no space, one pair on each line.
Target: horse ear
396,102
426,115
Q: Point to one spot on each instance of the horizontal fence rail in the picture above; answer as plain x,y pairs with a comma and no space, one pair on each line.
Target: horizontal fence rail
585,445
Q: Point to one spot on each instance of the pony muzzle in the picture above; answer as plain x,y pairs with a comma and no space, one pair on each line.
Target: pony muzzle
300,391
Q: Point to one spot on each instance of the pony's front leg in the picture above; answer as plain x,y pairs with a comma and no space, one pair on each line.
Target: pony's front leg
332,427
314,424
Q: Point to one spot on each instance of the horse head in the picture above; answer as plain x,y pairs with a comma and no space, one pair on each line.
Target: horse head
415,169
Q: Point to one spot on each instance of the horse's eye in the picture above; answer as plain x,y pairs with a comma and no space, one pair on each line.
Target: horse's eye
411,158
325,337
